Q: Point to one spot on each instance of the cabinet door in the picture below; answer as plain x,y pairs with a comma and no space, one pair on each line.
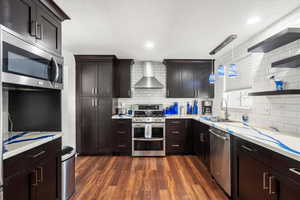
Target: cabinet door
282,188
201,85
46,172
18,15
17,187
197,139
88,78
174,85
105,76
123,78
187,78
89,138
252,177
105,136
49,30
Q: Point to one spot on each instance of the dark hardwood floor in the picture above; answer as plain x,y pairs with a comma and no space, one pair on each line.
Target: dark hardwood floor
127,178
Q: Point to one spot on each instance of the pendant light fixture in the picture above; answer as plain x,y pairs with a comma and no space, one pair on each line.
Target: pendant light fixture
212,77
232,71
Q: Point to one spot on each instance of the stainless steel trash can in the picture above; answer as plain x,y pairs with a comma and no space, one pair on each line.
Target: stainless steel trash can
68,172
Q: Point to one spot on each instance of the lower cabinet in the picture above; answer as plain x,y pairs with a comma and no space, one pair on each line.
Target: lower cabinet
201,141
34,174
122,135
259,173
179,137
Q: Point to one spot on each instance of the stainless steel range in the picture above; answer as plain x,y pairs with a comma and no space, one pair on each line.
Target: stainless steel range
148,130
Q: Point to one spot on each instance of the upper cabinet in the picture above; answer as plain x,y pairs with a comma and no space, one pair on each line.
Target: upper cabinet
189,78
122,78
38,21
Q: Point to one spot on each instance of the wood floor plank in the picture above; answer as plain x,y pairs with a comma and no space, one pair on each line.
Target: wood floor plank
127,178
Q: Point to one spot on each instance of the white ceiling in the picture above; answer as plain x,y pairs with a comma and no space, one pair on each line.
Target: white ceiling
178,28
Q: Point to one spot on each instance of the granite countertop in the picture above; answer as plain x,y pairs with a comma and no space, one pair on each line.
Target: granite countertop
17,148
283,143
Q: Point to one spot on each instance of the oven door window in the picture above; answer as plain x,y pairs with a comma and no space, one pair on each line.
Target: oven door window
139,132
148,145
19,61
157,132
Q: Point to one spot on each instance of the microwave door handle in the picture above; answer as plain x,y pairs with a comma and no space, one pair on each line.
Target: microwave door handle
56,70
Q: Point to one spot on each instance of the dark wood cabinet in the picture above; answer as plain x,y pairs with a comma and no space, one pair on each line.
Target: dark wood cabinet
122,78
48,29
88,128
34,174
189,78
38,21
122,136
178,136
259,173
88,79
19,16
201,141
94,92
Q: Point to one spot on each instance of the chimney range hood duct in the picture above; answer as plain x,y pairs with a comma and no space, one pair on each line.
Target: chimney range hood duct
148,81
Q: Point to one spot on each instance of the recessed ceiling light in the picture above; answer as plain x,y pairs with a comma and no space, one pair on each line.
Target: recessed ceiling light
149,45
253,20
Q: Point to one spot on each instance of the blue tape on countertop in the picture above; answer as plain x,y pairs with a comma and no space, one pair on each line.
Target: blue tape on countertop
29,139
229,131
15,137
274,140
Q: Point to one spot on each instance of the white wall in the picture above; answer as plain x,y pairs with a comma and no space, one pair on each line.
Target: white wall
281,112
151,96
68,100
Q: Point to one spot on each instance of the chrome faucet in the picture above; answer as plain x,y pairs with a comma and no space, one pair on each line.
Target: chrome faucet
225,101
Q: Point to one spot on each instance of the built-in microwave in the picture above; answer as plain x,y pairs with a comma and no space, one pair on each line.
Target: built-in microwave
24,63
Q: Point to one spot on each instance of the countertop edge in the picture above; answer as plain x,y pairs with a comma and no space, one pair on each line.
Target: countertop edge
30,146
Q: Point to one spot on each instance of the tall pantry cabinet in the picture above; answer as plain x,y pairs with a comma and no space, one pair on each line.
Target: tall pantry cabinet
94,93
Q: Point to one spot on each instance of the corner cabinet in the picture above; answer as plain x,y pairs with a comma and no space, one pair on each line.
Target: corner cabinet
94,93
38,21
259,173
34,174
189,78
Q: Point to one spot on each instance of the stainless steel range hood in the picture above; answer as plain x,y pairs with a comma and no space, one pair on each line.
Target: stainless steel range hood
148,81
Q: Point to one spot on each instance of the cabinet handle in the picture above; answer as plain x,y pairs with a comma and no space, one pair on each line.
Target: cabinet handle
33,28
39,34
198,93
296,171
264,181
175,132
96,102
41,176
129,93
38,154
93,103
247,148
168,92
35,178
121,145
271,192
175,145
122,132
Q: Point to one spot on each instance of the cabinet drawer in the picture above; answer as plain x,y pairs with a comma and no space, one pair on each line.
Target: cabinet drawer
123,145
286,166
257,152
175,146
176,132
122,122
175,122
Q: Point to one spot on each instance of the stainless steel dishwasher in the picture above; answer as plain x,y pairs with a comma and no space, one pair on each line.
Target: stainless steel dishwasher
68,172
220,158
